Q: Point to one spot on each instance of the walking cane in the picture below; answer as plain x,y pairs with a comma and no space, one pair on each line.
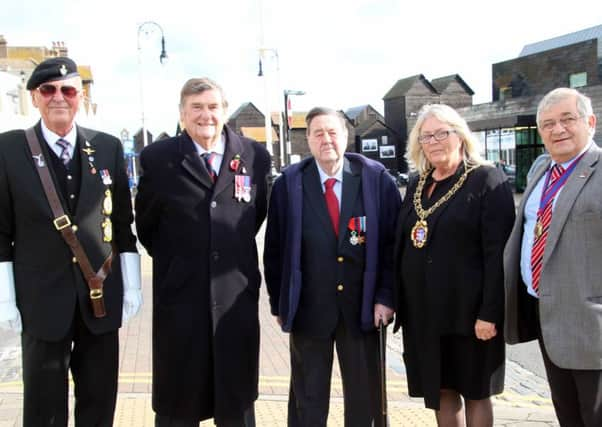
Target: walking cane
382,347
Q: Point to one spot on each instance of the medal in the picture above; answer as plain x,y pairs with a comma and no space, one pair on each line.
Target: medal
419,233
420,230
357,228
106,177
107,203
353,239
107,230
242,188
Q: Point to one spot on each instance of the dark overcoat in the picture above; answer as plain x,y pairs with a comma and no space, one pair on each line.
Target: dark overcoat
205,275
48,283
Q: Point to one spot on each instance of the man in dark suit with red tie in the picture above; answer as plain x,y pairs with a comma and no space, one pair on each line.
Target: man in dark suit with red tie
553,273
201,200
329,271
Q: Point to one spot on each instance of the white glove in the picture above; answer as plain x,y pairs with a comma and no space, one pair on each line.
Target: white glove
132,294
10,318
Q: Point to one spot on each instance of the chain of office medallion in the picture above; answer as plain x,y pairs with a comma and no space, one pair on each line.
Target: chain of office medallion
422,213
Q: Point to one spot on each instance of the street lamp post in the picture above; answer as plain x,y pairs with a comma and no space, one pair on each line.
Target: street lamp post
146,28
264,55
287,127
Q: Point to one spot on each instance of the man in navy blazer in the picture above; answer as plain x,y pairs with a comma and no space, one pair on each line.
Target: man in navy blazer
329,271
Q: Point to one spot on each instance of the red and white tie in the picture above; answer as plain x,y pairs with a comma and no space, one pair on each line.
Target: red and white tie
544,218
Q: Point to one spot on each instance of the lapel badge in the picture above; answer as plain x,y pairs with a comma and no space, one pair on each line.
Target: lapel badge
235,163
242,188
106,177
89,151
39,158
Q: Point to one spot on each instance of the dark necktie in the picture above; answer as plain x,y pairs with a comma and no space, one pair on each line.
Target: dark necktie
332,203
544,218
209,158
65,155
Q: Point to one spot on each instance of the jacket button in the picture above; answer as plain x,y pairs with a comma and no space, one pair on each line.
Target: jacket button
213,204
215,256
340,259
72,196
69,177
429,260
74,260
340,287
74,228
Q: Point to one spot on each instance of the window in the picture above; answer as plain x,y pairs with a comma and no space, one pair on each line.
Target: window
578,80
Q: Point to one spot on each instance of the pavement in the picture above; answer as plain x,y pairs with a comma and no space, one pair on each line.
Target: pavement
525,402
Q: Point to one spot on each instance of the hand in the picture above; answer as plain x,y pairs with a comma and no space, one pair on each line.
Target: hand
132,300
132,294
279,320
384,313
10,318
484,330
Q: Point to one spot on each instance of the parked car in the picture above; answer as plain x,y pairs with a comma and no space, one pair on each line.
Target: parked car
509,170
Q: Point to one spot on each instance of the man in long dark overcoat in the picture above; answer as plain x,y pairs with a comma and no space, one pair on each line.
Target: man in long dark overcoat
201,200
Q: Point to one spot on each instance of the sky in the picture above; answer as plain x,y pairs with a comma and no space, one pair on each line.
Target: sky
341,53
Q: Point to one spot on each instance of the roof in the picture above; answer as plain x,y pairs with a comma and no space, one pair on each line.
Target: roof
565,40
403,86
242,107
257,133
353,112
442,83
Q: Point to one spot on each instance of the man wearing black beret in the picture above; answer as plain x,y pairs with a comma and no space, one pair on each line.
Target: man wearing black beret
69,268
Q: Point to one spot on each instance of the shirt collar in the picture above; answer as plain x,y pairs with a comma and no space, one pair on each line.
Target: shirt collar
324,176
219,148
52,137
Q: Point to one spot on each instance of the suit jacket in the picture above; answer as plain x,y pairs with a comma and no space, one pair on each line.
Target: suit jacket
570,304
463,279
48,284
284,233
205,275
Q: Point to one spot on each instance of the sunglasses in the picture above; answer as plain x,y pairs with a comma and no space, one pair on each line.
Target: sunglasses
50,90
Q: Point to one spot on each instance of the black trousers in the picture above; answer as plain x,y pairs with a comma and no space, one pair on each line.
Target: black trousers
94,364
311,371
245,420
576,393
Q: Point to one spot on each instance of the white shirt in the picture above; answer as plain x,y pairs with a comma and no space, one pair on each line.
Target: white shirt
530,218
51,139
218,149
338,186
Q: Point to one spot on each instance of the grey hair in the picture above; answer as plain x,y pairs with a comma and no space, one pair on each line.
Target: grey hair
199,85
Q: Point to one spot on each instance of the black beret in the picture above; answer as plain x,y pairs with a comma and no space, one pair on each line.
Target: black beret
52,69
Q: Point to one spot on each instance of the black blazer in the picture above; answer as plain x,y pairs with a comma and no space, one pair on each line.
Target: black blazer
205,275
464,272
48,284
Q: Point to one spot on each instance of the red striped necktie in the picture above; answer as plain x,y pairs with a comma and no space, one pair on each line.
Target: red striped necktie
544,218
209,157
332,203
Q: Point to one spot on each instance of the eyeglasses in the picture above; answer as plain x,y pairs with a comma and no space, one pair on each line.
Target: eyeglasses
47,91
439,136
565,122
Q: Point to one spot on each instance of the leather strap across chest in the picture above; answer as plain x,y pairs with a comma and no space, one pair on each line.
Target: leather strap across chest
63,224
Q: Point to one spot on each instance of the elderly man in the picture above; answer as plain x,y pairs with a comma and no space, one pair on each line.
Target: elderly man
201,200
552,265
69,269
329,271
